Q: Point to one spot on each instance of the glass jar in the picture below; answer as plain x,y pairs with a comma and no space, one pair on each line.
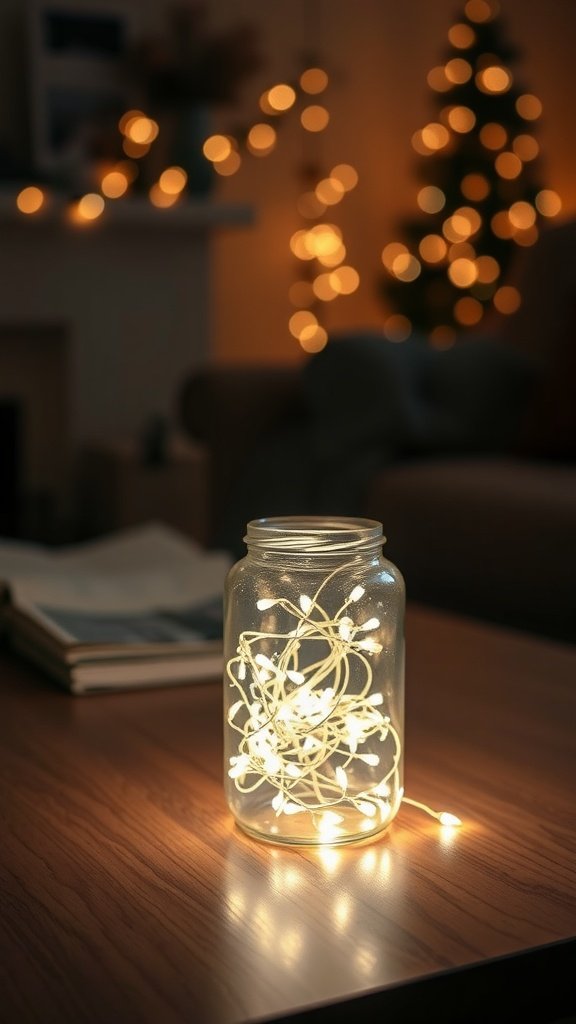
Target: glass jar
314,682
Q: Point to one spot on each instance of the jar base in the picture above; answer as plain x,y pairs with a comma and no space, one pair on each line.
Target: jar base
356,838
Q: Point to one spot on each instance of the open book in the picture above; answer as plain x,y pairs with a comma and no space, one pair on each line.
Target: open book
142,607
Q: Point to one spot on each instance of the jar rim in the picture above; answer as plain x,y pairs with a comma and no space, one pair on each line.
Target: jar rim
314,534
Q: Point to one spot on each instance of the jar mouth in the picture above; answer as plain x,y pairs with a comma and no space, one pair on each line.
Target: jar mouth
314,534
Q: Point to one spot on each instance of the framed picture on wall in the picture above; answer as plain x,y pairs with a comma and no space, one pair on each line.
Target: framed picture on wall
79,84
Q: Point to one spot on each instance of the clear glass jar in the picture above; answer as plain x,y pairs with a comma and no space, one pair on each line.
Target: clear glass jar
314,682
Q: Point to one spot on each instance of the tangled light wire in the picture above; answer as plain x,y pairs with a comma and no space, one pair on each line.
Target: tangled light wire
304,731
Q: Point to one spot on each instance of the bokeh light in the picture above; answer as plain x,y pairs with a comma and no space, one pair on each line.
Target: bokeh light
508,165
280,98
391,251
463,272
468,311
313,339
261,139
548,203
475,187
161,199
494,79
90,206
507,299
346,175
397,327
217,148
299,321
309,206
458,71
345,280
461,119
522,215
229,165
431,199
432,248
30,199
442,337
323,288
493,135
529,107
173,180
462,36
314,118
406,267
313,80
480,11
488,269
330,191
526,147
114,184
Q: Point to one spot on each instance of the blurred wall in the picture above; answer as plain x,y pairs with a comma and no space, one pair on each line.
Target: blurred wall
378,53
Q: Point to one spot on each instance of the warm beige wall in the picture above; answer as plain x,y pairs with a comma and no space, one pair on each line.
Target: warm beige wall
379,54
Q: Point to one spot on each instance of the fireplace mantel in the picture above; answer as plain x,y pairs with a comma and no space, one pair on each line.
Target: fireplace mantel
130,295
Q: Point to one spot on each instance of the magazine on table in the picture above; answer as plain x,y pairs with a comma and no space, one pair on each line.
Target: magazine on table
142,607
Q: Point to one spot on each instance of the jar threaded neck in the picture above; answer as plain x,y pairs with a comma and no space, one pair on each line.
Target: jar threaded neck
311,535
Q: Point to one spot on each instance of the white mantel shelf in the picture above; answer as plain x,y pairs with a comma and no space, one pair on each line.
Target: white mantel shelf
137,212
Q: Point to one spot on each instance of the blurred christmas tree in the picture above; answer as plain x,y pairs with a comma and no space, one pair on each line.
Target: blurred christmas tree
482,198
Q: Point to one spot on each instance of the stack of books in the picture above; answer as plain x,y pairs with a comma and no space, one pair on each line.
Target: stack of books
142,607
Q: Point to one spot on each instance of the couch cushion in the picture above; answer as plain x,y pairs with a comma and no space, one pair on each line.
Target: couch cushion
494,538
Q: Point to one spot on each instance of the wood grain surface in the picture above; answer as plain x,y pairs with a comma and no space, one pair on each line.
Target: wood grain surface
127,894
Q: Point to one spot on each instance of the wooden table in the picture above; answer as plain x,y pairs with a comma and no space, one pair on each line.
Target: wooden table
128,895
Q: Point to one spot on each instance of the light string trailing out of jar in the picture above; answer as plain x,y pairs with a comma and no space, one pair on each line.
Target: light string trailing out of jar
292,725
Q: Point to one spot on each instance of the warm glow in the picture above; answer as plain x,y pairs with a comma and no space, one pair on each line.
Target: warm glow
548,203
526,237
493,135
114,184
90,206
261,139
313,80
300,321
494,79
432,248
330,191
435,136
299,247
466,221
229,165
462,36
135,150
461,249
280,98
128,118
463,272
217,148
431,199
314,118
158,197
458,71
468,311
332,259
323,239
173,180
301,294
522,215
345,280
142,130
309,206
391,251
397,328
313,339
480,11
346,175
507,299
406,267
475,187
323,288
442,336
529,107
526,147
461,119
437,79
30,199
501,226
508,165
488,269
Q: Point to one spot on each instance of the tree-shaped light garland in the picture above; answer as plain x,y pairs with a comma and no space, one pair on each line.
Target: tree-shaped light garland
483,198
302,732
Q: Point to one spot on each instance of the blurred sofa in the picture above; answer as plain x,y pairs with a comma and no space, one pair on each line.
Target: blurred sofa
467,456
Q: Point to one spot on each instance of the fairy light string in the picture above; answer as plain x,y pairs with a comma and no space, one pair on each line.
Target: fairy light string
309,727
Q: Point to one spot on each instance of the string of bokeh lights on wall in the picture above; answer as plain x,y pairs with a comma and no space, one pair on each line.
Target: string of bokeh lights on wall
318,245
